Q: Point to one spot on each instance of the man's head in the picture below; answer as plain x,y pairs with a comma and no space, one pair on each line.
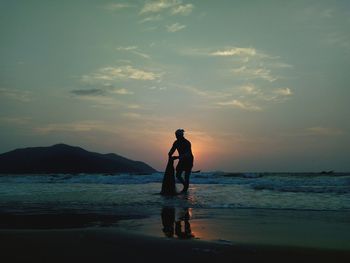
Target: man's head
179,133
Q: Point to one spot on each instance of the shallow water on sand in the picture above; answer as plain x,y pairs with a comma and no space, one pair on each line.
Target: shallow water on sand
208,190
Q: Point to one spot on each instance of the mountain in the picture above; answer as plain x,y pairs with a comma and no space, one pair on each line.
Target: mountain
62,158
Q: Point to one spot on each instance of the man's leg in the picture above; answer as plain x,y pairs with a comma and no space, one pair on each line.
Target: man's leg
187,180
179,177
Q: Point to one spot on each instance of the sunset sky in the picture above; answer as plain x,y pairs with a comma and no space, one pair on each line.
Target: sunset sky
256,85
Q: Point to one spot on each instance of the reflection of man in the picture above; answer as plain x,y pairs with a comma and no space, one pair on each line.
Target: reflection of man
168,221
168,218
187,233
185,157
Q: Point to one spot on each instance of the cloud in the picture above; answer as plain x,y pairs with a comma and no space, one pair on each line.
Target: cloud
266,94
232,51
151,18
257,72
252,60
194,52
122,92
246,97
279,65
118,6
134,50
128,72
172,7
250,89
283,91
88,92
108,74
16,94
101,92
240,105
157,88
158,6
210,94
249,63
134,106
144,55
175,27
138,74
128,48
324,131
218,99
103,97
254,73
182,10
235,51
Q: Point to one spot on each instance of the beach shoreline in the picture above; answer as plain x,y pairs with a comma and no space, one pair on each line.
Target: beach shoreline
108,244
50,219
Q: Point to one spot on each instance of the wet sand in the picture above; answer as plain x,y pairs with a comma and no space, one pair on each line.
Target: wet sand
108,244
176,235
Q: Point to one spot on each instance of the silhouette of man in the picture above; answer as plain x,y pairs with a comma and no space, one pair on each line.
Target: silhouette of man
185,157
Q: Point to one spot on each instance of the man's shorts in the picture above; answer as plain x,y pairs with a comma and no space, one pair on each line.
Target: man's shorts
184,165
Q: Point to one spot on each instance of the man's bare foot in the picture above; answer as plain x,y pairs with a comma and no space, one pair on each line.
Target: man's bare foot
184,190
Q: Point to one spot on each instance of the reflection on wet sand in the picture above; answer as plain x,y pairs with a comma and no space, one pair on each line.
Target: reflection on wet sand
168,219
179,224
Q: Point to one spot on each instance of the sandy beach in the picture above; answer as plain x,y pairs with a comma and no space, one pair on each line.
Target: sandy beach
111,245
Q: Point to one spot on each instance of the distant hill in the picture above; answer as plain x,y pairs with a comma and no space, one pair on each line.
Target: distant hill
62,158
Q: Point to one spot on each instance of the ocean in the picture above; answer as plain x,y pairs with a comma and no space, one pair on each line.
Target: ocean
300,209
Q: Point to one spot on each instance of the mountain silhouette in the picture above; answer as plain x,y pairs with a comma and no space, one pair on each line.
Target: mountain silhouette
63,158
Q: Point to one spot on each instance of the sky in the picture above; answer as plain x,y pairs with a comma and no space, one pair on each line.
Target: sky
258,86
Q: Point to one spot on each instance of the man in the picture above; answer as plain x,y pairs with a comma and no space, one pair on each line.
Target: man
185,157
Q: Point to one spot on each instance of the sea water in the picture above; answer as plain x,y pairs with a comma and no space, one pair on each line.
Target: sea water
247,207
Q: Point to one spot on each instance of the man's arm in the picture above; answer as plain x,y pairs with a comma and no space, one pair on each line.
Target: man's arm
172,150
